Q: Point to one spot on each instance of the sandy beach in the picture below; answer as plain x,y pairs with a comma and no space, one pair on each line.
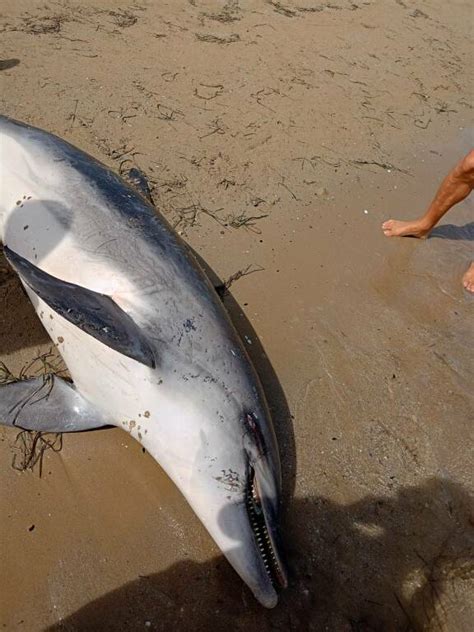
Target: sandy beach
276,137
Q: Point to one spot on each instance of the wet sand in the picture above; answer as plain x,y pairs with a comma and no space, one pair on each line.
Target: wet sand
277,135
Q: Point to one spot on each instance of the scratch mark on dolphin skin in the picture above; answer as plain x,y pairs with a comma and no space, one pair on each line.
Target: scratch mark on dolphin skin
230,480
189,325
187,376
209,378
109,241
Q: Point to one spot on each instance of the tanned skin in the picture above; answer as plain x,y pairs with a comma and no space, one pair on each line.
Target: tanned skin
457,185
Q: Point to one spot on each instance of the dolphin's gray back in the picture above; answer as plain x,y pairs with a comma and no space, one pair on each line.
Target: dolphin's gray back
102,204
110,222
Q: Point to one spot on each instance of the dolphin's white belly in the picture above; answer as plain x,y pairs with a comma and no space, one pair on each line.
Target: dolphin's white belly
142,401
136,399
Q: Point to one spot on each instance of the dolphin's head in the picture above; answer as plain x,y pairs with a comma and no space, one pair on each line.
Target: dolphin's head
239,503
252,522
221,450
222,454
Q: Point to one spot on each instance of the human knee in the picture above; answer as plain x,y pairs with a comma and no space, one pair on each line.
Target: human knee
467,166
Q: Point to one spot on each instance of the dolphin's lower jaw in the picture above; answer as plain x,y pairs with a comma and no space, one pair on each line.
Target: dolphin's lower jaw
253,555
251,541
247,534
261,513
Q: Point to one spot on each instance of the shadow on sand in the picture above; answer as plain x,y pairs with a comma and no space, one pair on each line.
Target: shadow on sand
453,232
382,564
20,325
6,64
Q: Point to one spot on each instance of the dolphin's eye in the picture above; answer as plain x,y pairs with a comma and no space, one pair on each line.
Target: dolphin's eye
253,428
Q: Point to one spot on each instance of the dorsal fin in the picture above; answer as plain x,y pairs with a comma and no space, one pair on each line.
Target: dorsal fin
140,183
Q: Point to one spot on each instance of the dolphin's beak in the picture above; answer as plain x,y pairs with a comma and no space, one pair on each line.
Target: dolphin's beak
263,511
253,524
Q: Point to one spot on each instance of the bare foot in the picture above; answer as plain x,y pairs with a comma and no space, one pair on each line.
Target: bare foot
396,228
468,278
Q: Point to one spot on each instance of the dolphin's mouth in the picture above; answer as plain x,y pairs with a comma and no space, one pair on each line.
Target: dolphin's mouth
264,538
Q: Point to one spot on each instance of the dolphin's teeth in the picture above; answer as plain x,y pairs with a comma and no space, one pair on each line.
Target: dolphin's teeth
261,534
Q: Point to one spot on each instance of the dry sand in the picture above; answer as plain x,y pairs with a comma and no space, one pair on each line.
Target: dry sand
278,135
